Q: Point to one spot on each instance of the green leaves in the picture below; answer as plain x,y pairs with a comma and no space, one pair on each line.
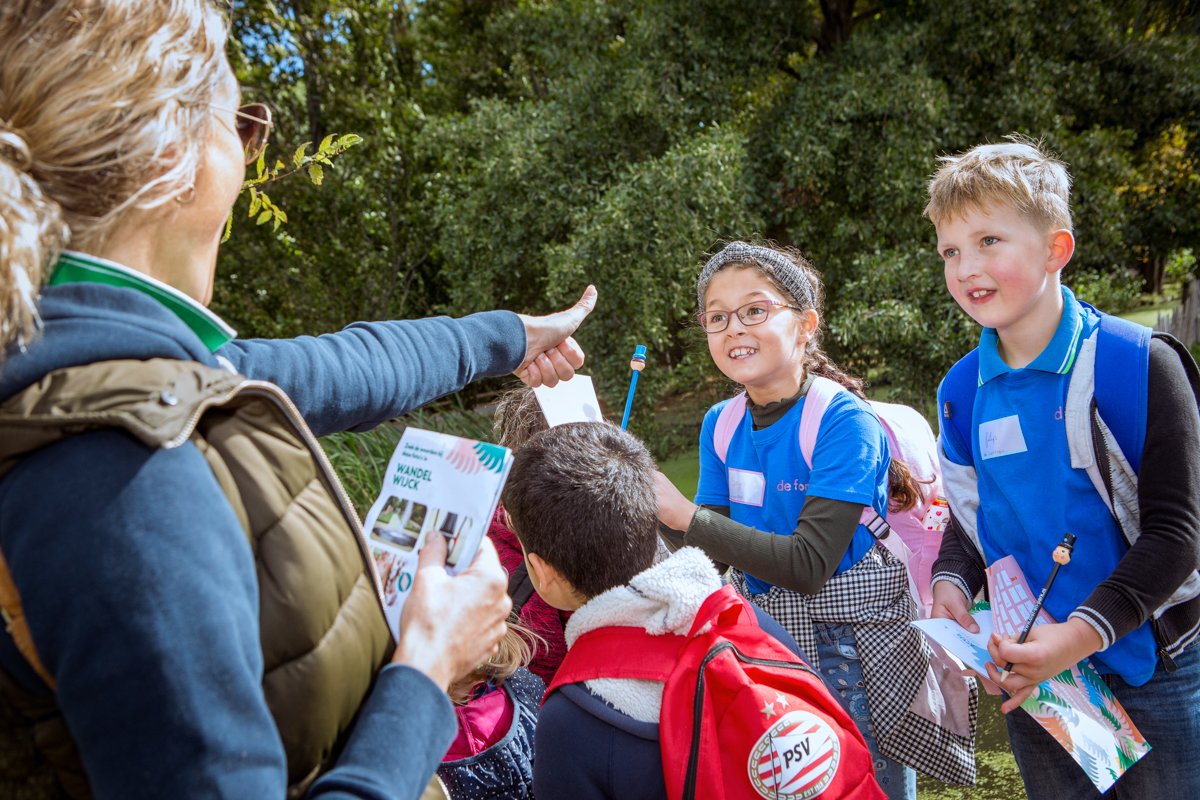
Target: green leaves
522,150
261,205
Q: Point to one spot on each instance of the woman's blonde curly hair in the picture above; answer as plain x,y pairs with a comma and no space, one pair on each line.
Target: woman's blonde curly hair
104,108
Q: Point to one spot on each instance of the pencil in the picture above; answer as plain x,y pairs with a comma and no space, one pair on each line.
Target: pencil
1062,555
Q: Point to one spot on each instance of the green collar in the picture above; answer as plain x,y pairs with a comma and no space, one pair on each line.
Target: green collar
75,267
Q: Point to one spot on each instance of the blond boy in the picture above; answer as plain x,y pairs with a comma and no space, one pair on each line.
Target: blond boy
1022,467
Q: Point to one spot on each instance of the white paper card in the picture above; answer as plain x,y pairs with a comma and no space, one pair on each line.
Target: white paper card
434,484
570,401
746,487
1001,437
970,648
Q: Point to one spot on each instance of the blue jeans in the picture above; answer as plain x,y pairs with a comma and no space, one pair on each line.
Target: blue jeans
837,651
1167,712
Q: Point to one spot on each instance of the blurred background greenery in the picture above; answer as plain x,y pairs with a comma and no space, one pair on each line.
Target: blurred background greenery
516,151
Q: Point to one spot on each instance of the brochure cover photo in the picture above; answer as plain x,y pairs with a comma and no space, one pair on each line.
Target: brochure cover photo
437,485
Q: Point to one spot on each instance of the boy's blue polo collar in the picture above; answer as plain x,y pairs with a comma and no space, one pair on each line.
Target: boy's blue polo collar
1059,355
75,267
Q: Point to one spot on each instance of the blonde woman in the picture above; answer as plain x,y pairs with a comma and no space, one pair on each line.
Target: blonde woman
210,624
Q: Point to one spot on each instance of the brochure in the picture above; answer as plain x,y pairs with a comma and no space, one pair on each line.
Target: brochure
1076,707
435,484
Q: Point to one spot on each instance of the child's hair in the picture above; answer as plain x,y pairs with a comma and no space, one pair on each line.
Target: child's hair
582,497
519,417
793,276
516,650
1020,174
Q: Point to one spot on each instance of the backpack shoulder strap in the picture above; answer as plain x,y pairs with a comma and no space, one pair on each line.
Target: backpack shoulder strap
820,394
957,394
520,588
727,423
1122,390
606,653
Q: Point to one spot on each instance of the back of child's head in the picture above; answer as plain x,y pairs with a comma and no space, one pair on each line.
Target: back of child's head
1019,174
582,497
799,284
518,418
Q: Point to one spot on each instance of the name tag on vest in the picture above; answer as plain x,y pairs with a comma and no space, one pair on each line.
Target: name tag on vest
1001,437
746,487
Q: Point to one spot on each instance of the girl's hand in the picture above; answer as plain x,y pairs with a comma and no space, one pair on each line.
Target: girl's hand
1049,650
551,354
451,625
674,510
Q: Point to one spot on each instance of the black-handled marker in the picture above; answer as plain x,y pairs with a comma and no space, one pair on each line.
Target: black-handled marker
1062,555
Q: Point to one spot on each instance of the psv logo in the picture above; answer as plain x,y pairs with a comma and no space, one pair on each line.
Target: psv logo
796,758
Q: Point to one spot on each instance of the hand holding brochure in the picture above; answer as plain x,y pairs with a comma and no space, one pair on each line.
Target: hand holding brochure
1076,707
435,484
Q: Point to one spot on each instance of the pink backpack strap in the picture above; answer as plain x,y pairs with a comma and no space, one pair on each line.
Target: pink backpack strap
820,395
727,423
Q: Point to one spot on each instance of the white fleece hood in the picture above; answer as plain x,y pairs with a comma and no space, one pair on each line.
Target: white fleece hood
663,599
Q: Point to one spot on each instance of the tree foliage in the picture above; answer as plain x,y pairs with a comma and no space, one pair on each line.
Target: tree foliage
516,151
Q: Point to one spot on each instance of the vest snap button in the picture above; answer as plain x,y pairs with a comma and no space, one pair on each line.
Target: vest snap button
167,398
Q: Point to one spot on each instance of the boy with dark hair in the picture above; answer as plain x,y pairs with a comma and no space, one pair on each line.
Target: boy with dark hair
582,502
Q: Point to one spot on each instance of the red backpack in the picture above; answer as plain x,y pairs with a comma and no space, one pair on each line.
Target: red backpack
741,717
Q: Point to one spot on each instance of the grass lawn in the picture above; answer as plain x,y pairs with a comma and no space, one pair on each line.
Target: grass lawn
1148,315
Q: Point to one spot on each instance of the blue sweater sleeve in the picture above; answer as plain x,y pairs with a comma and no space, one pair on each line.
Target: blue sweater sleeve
374,371
140,592
405,728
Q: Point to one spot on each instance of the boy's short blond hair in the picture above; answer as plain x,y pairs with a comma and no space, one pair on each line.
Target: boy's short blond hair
1019,174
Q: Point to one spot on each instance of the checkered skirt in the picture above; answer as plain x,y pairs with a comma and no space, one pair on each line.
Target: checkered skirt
873,598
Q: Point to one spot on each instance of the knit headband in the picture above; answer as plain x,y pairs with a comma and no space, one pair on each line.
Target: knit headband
782,268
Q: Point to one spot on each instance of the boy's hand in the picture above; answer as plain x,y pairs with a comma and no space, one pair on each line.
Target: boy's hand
950,603
551,354
1049,650
675,510
449,625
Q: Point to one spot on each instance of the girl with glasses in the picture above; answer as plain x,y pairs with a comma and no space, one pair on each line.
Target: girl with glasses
210,624
793,533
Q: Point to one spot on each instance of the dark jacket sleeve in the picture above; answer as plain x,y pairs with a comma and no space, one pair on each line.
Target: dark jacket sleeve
374,371
1168,550
802,562
141,596
959,562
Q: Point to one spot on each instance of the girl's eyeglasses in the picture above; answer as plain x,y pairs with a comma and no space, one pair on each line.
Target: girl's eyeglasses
753,313
253,128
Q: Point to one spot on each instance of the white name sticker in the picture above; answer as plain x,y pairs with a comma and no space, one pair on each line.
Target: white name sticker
1001,437
746,487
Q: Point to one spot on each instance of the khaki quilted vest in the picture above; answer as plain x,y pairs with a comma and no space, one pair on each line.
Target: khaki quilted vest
321,620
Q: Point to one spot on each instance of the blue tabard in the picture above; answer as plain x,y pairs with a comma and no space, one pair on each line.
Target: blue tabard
1029,495
765,481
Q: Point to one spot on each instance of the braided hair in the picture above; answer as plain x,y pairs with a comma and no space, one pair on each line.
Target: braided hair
793,276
